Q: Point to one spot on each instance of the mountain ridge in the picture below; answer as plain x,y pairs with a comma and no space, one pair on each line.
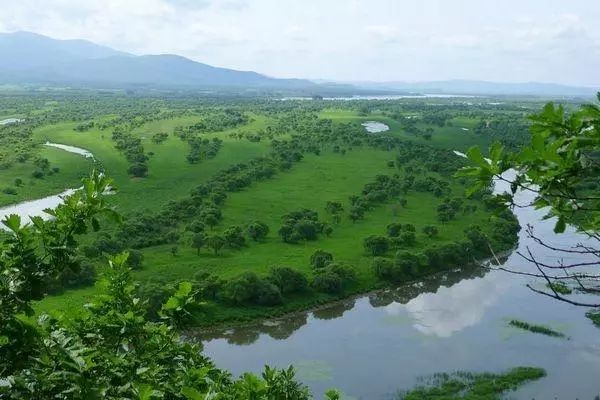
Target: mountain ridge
31,58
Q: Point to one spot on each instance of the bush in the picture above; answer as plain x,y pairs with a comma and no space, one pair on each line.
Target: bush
407,238
138,170
288,280
234,237
408,263
431,231
385,269
345,272
257,230
394,229
327,282
248,288
9,190
333,278
135,259
300,225
320,259
376,245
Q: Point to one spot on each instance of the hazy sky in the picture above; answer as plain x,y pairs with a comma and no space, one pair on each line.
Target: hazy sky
502,40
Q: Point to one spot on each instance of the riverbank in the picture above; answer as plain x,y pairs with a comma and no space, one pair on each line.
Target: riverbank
279,315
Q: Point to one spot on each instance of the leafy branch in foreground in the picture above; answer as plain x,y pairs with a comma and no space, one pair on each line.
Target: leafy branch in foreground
560,169
111,351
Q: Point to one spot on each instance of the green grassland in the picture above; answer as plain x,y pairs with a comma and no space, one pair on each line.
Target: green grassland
443,137
72,168
308,184
170,176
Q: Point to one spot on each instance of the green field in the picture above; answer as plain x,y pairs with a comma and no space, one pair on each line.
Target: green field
332,175
72,168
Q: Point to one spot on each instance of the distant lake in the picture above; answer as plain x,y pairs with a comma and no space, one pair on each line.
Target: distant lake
375,127
388,97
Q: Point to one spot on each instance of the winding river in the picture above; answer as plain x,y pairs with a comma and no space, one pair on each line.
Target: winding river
373,345
36,207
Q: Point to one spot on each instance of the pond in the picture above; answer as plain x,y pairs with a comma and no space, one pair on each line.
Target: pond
371,346
375,127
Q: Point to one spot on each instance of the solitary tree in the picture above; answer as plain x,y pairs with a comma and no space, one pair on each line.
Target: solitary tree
198,241
216,243
430,230
376,245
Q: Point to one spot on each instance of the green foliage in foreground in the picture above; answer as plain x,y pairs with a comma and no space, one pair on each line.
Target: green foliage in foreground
469,386
535,328
110,351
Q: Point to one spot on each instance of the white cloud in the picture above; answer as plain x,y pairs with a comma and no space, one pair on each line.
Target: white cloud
548,40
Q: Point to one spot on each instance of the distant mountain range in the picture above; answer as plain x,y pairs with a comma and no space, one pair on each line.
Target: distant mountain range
33,59
29,58
473,87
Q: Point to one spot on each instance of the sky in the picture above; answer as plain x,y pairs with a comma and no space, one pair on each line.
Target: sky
343,40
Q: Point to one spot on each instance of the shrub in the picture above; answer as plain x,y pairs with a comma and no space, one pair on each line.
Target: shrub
10,191
234,237
430,230
327,282
408,263
257,230
376,245
394,229
138,170
249,288
135,259
320,259
385,269
288,280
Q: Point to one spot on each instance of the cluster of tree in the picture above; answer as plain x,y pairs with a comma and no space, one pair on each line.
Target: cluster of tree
159,137
302,225
511,131
449,208
232,237
84,126
202,208
384,187
16,144
476,244
335,209
202,149
330,277
42,168
133,150
401,235
213,122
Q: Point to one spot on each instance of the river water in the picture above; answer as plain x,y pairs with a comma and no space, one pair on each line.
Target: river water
36,207
371,346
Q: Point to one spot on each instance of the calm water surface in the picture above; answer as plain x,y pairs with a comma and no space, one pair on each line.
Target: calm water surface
374,345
